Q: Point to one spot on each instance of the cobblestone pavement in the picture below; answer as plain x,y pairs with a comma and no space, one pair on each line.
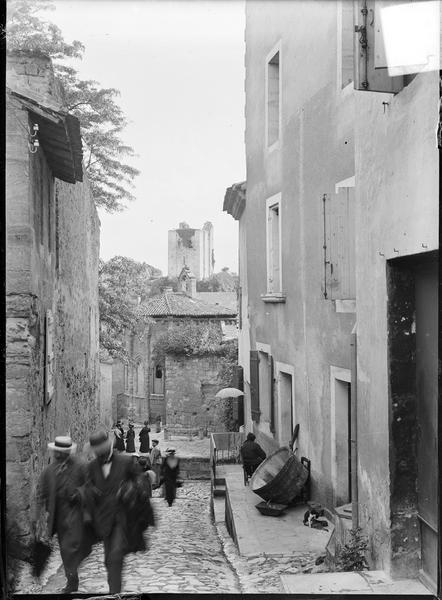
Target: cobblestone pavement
260,574
186,553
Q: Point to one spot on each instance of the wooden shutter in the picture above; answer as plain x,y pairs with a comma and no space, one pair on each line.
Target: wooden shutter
49,358
254,385
369,51
347,35
239,304
272,395
238,380
340,244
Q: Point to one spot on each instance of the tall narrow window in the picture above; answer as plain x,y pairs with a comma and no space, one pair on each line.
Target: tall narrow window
273,247
126,378
273,100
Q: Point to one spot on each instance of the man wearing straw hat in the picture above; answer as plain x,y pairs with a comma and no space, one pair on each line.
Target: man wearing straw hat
60,493
111,477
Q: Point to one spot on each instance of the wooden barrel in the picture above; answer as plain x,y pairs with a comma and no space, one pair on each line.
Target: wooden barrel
280,477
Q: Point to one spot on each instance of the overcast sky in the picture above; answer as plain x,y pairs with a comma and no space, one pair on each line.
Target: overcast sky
180,69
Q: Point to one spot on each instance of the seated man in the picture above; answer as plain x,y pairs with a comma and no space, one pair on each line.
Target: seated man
252,454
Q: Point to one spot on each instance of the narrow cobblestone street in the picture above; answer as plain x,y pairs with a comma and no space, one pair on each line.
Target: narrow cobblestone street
186,553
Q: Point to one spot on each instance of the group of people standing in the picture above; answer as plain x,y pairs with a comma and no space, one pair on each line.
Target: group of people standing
125,441
104,499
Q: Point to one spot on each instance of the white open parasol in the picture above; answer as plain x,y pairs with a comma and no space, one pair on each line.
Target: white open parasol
229,393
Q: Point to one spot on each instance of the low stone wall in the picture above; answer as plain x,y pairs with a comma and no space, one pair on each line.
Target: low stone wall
194,468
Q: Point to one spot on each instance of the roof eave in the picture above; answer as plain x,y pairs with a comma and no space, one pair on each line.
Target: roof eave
235,200
60,137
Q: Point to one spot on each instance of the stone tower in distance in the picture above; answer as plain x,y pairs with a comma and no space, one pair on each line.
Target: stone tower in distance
193,248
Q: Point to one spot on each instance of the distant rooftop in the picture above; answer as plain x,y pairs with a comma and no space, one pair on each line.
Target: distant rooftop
222,299
179,304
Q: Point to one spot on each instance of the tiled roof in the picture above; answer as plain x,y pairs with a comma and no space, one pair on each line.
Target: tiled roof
178,304
221,299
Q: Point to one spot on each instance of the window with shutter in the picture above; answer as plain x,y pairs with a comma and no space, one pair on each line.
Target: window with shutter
273,99
370,75
345,43
274,275
254,385
339,244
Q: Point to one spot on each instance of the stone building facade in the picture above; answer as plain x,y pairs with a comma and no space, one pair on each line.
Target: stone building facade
190,402
338,260
52,369
192,248
144,388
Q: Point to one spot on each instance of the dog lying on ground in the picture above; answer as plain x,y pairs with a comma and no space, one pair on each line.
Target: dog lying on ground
311,519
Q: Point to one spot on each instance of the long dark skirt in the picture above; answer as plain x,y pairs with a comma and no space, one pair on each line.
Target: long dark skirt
130,442
170,490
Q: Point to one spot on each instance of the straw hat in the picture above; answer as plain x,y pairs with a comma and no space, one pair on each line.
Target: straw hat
63,443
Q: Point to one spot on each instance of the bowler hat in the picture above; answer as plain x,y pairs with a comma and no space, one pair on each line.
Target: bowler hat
63,443
99,440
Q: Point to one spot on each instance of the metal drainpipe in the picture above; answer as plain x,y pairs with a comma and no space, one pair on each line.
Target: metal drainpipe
354,431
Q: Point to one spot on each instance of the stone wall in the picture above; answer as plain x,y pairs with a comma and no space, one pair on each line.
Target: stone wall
52,369
106,407
130,394
191,247
191,385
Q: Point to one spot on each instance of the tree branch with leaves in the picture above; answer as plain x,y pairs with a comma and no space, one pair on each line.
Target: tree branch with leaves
102,121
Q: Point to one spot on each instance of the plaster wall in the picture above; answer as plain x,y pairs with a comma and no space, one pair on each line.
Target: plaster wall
315,150
397,214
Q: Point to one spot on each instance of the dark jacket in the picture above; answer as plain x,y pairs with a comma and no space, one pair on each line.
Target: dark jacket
74,477
61,492
144,440
252,453
130,440
105,494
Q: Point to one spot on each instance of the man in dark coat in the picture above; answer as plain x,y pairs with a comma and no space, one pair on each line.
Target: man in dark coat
60,493
110,481
252,454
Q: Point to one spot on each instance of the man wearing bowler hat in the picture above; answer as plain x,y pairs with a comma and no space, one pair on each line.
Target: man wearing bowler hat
60,492
109,480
